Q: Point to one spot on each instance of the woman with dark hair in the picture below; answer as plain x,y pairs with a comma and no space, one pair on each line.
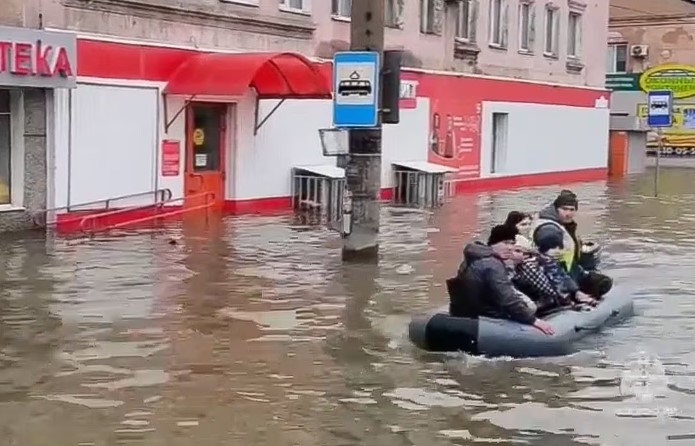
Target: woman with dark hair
522,222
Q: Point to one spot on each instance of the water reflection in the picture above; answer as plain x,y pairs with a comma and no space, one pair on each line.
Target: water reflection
252,330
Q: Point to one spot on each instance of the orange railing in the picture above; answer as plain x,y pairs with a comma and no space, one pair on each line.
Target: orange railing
88,223
40,218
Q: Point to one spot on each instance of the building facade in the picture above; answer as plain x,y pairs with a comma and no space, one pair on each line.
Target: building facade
649,41
177,97
33,64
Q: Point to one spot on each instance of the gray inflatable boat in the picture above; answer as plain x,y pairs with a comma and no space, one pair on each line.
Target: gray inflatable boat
439,332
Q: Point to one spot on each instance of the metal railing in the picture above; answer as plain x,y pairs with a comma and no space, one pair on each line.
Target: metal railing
420,189
40,218
208,198
318,199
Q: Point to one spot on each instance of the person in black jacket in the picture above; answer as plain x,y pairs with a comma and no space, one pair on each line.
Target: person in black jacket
483,285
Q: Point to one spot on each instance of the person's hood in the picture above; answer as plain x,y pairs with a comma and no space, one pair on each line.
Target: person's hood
549,213
475,251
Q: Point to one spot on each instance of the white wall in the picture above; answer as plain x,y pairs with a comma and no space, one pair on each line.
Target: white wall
112,145
290,138
405,141
60,158
177,132
547,138
108,143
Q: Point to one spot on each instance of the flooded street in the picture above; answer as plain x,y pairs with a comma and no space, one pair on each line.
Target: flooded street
254,332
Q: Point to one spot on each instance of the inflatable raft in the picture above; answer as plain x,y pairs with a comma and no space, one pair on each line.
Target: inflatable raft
439,332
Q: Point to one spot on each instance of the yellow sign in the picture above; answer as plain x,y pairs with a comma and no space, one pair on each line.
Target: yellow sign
680,79
681,134
198,137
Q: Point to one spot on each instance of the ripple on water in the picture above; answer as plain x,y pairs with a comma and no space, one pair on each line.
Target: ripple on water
251,330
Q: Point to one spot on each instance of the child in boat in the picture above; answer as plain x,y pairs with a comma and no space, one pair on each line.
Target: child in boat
549,249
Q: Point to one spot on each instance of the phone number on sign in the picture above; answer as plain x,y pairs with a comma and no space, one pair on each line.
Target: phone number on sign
674,151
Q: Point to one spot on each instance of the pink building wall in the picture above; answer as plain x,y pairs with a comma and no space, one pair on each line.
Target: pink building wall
246,25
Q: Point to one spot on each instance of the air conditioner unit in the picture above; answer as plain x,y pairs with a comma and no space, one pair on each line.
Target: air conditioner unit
639,50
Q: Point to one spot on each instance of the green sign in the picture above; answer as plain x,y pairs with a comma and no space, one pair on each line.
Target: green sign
623,81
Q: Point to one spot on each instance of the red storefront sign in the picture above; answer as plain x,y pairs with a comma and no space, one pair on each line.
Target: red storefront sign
171,157
37,58
34,58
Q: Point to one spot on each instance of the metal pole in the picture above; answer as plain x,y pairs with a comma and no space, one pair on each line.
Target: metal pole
657,164
363,170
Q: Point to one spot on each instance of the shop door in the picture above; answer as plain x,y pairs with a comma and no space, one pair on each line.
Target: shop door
205,148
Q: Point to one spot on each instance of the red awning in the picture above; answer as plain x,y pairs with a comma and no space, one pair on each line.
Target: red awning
273,75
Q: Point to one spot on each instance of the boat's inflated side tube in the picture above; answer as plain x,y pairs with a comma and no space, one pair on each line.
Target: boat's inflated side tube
439,332
500,337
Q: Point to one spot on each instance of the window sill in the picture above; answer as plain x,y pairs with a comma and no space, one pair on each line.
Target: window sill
497,46
574,65
526,52
295,11
465,49
11,208
341,18
252,3
550,55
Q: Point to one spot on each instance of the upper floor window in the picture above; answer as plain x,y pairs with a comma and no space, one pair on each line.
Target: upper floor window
526,25
341,8
552,31
574,35
431,16
465,20
617,58
394,13
427,16
296,5
498,23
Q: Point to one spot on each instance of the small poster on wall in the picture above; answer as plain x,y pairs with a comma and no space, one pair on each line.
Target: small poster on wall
171,157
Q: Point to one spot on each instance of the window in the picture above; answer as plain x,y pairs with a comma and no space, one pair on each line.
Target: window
393,13
551,31
206,152
341,8
617,58
525,27
574,35
500,125
427,16
465,20
5,147
498,23
296,5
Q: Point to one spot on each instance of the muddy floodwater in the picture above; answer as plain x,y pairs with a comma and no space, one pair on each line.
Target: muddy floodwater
251,331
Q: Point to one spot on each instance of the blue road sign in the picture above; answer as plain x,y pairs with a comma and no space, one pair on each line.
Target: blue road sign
659,106
356,89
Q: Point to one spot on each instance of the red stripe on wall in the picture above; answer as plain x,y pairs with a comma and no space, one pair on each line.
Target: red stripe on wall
476,90
126,61
150,63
